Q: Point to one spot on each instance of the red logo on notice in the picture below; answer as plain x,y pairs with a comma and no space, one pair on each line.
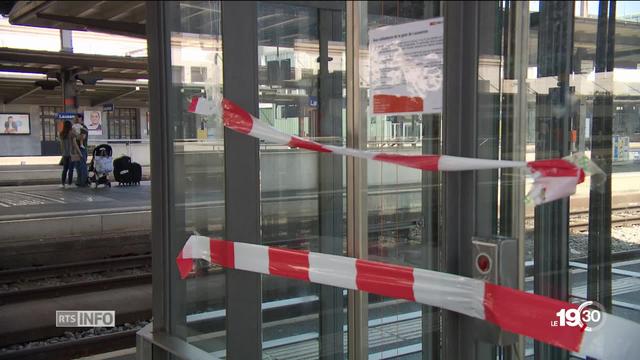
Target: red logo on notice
384,104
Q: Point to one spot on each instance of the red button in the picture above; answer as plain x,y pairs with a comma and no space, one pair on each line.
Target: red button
484,263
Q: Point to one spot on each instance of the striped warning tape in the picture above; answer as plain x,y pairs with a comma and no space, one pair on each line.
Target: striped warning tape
552,179
513,310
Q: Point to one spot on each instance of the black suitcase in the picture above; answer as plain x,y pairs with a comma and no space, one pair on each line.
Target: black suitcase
121,169
121,163
126,172
135,170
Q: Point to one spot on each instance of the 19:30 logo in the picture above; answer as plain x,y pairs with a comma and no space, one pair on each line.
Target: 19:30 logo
588,316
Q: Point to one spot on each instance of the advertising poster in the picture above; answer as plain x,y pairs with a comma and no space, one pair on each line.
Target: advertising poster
93,122
406,68
620,148
15,124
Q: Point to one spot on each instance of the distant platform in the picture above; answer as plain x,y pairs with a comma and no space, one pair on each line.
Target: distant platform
39,173
50,212
26,202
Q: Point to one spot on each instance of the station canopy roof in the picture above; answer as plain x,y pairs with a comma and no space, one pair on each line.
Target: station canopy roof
113,17
120,80
23,90
282,27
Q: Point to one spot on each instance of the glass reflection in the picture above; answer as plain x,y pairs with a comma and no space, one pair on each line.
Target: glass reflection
301,59
402,203
603,123
198,165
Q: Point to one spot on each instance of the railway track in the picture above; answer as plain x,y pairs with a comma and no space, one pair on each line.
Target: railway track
615,222
109,342
31,283
75,348
78,287
42,272
202,323
620,216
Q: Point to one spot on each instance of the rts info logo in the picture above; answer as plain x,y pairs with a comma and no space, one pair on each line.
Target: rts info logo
75,318
588,316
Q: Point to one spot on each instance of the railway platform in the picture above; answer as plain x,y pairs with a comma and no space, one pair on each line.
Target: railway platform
26,210
40,174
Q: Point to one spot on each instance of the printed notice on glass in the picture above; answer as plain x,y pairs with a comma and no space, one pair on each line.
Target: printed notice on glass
406,68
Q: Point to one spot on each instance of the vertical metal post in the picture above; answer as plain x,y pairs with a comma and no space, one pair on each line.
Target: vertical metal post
356,183
331,190
488,117
431,234
514,126
69,96
460,129
242,178
431,206
166,223
553,112
599,255
485,145
513,137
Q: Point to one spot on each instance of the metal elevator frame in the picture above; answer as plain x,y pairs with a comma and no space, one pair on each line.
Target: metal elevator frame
599,286
461,192
331,178
551,229
460,129
242,178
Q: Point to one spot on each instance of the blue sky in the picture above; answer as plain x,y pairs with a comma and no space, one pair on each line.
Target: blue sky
623,8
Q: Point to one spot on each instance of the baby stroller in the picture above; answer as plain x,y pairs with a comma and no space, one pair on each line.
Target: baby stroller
101,165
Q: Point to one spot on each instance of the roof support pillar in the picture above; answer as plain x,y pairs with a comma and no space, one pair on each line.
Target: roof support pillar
69,95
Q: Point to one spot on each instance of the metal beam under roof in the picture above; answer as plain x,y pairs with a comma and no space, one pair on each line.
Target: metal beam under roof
21,56
115,97
114,17
23,91
99,25
23,95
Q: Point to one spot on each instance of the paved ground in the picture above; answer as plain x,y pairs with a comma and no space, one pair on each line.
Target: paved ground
39,174
18,202
28,160
29,201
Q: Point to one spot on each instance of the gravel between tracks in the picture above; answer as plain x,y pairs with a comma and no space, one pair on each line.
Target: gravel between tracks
74,335
623,238
68,279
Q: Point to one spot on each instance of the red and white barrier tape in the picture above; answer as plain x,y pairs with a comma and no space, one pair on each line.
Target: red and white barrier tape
513,310
552,179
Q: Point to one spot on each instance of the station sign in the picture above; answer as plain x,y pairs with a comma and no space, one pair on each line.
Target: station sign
107,107
313,101
65,115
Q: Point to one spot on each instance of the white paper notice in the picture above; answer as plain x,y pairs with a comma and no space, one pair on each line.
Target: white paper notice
406,68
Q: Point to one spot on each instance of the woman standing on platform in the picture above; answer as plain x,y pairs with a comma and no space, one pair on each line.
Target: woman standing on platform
70,153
